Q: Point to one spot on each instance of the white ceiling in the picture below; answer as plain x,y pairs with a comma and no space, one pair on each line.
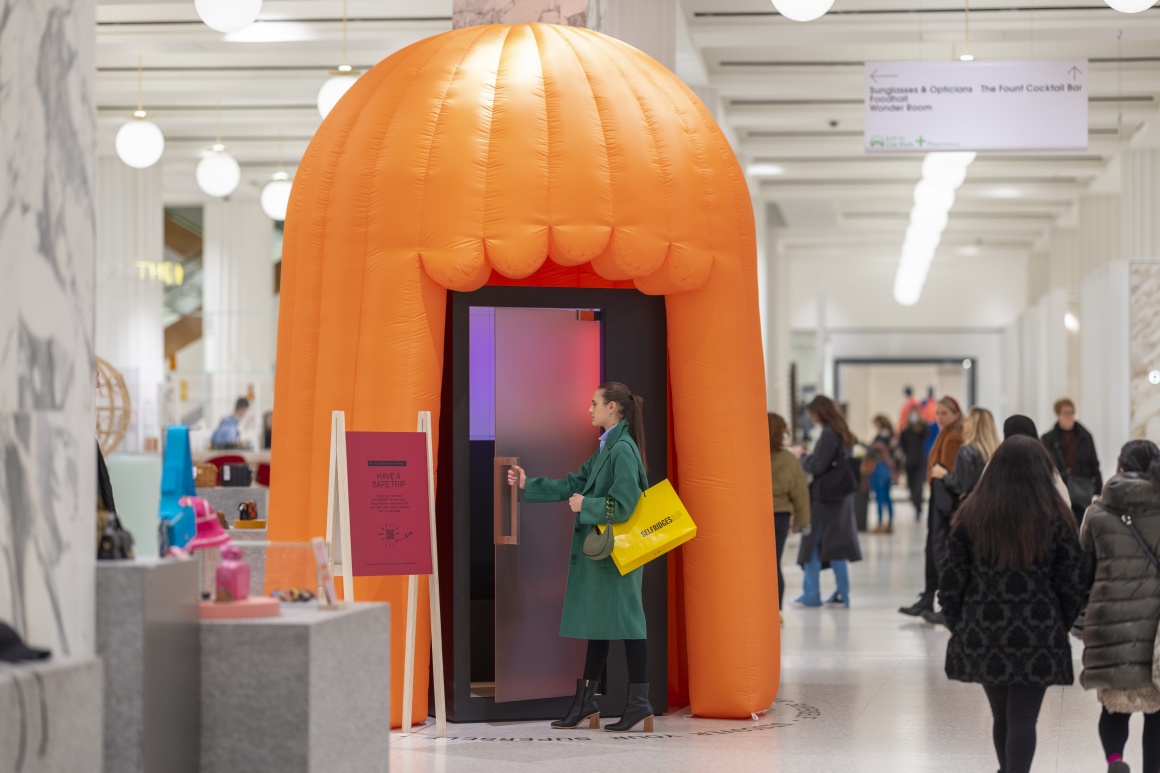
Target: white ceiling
791,96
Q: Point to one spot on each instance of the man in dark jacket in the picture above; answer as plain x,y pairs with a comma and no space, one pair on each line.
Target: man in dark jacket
1074,451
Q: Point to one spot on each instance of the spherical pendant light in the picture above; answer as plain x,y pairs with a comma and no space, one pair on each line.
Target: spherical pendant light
218,173
333,90
276,196
140,142
803,10
228,15
1130,6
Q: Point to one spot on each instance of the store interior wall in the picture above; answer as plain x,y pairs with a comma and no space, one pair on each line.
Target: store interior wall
872,389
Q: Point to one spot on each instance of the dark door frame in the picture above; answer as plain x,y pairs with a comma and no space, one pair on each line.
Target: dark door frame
633,349
972,376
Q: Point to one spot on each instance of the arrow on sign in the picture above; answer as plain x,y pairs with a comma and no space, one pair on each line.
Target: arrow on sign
1075,72
874,76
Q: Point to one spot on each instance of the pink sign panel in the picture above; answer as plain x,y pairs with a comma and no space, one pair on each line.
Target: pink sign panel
390,527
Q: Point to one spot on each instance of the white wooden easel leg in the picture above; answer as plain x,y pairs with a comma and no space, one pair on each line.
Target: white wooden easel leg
409,654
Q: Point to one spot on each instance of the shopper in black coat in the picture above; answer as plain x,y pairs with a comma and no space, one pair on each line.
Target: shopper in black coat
1011,586
1123,610
912,440
1074,450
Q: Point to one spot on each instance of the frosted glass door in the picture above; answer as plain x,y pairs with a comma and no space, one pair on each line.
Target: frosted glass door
547,364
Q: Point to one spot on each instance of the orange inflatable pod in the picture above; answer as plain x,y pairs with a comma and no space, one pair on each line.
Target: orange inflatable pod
536,154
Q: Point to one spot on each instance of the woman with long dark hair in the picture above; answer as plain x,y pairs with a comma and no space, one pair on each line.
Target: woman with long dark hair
1121,535
1012,584
944,452
600,604
791,493
833,535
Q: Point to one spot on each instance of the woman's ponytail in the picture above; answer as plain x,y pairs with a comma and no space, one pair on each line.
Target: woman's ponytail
636,427
632,407
1154,473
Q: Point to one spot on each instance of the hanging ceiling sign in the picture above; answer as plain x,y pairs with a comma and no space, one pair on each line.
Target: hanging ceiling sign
918,107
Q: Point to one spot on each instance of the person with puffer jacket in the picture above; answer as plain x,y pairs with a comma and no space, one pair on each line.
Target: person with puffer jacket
1123,612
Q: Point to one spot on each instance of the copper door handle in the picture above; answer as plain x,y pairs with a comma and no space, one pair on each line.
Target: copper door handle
511,534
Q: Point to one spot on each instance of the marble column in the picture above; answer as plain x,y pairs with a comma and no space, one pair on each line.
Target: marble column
240,317
130,325
47,427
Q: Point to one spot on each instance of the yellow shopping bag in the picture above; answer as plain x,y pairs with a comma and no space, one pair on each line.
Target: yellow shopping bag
659,523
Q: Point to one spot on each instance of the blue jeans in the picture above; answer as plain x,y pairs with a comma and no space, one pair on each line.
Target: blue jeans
881,483
811,583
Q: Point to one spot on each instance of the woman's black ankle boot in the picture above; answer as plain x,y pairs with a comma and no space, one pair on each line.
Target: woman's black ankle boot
583,709
637,711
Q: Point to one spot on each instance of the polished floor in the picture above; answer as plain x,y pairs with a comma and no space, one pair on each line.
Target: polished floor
862,691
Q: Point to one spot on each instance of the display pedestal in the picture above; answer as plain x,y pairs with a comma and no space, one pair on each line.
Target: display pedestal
226,499
68,693
148,636
306,692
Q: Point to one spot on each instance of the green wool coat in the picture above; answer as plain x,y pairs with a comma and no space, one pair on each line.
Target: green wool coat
600,603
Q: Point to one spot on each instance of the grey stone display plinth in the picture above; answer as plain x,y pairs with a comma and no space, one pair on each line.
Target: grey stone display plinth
148,636
306,692
226,499
50,716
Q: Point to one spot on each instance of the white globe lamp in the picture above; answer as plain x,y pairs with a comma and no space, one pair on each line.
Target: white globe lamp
1130,6
218,173
803,10
276,196
228,15
334,90
140,142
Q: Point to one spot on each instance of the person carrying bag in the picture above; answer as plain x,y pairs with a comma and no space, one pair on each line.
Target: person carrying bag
833,536
600,603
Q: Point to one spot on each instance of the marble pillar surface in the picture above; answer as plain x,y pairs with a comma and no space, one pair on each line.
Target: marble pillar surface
468,13
1145,284
47,445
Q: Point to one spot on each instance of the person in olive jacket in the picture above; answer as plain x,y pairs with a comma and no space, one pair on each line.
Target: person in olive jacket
1123,610
1074,451
791,493
1012,583
600,604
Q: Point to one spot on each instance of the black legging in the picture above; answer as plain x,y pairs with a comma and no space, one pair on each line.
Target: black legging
781,522
635,651
1114,736
915,477
1015,711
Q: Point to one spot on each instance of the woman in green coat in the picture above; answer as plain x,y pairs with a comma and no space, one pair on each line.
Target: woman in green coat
600,604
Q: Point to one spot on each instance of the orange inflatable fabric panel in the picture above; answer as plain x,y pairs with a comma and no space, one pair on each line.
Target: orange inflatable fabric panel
554,156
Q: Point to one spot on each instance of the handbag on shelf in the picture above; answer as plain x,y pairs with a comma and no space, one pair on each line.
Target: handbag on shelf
659,523
237,475
207,476
1127,520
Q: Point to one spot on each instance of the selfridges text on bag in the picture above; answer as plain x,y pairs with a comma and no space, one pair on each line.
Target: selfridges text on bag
659,523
